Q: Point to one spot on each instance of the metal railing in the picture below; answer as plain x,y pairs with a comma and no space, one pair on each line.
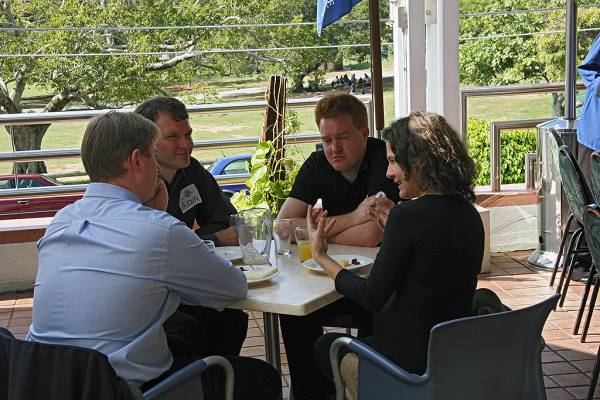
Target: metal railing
84,115
488,91
497,126
496,129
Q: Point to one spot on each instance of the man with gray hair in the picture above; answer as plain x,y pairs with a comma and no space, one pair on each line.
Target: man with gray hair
113,267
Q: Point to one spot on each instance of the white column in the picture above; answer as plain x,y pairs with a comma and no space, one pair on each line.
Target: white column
431,54
443,90
399,23
416,72
409,55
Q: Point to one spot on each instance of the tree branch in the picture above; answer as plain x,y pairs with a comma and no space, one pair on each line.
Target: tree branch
159,66
6,103
59,101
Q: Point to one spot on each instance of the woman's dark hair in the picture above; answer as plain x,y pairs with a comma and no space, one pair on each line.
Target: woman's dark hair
427,137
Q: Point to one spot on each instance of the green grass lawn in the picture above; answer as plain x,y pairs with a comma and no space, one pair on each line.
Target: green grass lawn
231,125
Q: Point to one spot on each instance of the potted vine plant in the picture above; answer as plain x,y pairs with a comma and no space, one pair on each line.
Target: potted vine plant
270,181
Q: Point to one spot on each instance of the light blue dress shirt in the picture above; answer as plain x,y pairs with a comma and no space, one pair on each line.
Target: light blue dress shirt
112,270
588,127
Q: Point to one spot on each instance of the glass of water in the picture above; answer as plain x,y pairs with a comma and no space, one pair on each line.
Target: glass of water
282,233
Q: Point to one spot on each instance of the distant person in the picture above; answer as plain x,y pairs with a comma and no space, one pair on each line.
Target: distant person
426,270
588,131
195,197
346,175
367,80
113,267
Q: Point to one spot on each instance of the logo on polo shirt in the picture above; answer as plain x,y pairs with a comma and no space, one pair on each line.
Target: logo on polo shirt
188,198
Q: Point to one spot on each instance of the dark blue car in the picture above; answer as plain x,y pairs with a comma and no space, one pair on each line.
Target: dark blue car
235,168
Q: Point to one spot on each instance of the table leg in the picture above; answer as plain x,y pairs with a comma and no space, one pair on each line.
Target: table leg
271,321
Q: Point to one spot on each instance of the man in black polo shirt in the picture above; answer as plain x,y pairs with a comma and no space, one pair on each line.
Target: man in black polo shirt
195,198
346,176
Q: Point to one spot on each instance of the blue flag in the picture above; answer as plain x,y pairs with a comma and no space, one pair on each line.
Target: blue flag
329,11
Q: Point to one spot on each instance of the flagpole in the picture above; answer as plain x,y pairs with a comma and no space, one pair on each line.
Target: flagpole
376,74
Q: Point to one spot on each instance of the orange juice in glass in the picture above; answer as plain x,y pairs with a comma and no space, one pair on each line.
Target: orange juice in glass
304,250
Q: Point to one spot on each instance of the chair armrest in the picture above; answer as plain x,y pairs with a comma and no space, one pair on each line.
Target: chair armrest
366,353
229,374
191,371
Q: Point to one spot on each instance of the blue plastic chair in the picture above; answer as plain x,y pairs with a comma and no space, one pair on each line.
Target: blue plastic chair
491,357
556,142
24,357
595,175
591,223
185,384
578,195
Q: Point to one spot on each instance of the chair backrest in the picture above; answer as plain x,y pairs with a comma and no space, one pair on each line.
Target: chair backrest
556,142
595,175
591,224
575,186
30,370
494,356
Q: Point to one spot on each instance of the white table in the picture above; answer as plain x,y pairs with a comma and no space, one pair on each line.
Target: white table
295,291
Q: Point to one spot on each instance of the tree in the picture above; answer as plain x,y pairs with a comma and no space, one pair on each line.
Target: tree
99,81
522,59
295,64
115,81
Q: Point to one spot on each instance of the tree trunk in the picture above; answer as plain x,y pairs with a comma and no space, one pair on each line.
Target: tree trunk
28,137
558,104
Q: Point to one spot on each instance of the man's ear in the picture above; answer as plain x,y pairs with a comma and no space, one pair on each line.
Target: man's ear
365,131
134,162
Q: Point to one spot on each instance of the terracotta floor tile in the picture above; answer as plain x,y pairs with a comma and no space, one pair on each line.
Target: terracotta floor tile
574,355
549,383
558,394
566,380
584,365
551,357
555,368
555,334
566,362
579,392
509,265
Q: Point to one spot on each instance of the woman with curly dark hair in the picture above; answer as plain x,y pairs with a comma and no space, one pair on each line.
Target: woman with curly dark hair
432,248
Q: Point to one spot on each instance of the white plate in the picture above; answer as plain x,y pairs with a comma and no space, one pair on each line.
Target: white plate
252,282
362,262
230,253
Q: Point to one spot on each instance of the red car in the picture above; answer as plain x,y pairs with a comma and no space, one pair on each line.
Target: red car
32,206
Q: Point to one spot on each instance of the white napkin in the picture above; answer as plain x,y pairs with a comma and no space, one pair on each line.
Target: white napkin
260,273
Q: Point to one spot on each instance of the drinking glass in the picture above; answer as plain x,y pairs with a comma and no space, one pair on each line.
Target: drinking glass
303,241
210,244
282,233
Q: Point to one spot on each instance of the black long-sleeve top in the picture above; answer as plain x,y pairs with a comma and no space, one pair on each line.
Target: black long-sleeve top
425,273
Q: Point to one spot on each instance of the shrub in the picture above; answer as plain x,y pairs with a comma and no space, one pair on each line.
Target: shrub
514,144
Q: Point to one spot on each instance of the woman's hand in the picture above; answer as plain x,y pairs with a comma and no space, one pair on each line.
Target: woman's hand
380,211
318,229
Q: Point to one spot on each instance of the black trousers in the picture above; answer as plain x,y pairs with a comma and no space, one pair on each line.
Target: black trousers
254,379
299,337
195,331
